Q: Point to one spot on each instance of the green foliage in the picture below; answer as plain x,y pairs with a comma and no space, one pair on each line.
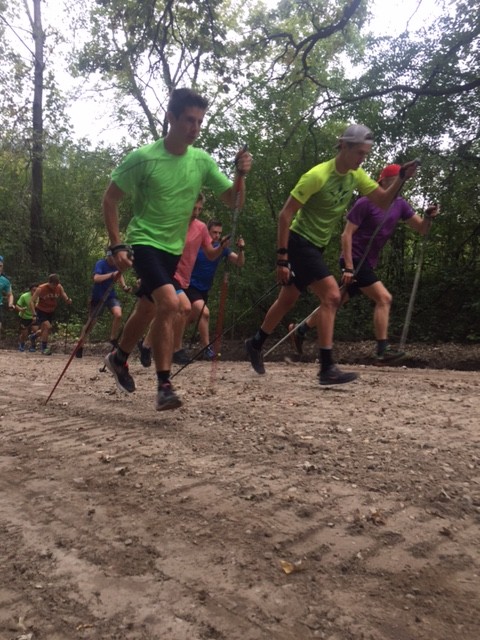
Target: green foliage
279,79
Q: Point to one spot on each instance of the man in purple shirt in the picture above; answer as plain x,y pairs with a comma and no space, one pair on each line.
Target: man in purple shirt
366,232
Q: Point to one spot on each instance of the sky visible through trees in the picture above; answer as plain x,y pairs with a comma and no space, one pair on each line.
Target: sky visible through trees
91,111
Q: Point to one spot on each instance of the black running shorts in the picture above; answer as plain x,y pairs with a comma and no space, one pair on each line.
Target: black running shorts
194,294
365,277
306,260
154,267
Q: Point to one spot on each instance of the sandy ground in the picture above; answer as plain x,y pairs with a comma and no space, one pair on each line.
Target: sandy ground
266,508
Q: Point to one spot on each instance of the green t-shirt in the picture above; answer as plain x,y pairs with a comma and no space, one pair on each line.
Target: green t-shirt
24,301
325,194
165,188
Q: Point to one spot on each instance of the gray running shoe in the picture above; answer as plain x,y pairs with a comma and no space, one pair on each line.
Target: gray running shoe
333,375
167,398
255,356
123,379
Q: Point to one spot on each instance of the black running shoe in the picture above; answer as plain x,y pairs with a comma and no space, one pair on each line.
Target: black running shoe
123,379
180,357
333,375
145,354
79,352
389,355
296,338
167,398
256,357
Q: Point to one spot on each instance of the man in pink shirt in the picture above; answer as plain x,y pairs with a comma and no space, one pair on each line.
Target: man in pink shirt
197,236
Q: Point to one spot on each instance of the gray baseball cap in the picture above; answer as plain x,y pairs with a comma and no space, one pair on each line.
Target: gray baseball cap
357,134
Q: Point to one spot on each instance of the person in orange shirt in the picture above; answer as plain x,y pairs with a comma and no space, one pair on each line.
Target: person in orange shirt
43,304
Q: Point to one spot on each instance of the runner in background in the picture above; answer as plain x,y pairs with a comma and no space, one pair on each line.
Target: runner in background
27,326
5,294
43,305
104,273
201,282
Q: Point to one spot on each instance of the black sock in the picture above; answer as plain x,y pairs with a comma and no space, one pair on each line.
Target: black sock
326,359
302,329
162,377
259,338
381,346
121,356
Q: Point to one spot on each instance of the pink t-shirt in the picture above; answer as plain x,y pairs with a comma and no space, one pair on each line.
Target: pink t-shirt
197,236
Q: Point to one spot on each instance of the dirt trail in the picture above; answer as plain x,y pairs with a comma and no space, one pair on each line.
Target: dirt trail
119,523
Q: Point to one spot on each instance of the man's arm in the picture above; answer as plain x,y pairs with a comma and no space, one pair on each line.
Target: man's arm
123,284
289,209
238,259
212,252
20,305
383,198
346,240
64,295
111,198
243,163
33,302
422,225
102,277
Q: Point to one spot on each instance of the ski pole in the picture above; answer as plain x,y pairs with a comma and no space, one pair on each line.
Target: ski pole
413,294
69,313
226,272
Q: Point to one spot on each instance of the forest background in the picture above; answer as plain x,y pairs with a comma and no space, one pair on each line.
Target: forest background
283,78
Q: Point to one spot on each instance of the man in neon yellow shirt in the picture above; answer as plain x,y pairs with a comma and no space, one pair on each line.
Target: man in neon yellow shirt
164,179
305,226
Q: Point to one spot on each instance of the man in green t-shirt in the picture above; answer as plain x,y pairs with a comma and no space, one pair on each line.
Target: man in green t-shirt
27,328
305,226
164,179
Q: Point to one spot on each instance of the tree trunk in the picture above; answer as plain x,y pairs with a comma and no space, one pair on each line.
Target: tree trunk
36,206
